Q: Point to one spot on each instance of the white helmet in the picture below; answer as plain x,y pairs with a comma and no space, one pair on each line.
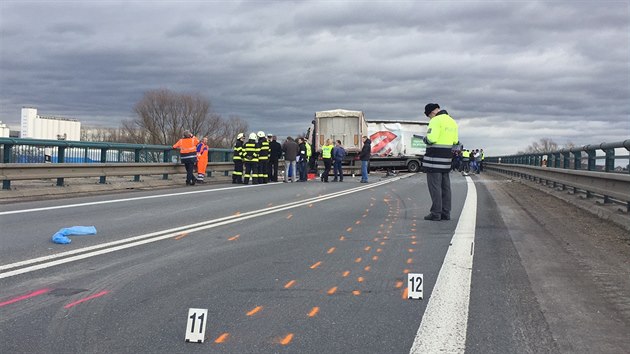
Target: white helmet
240,136
252,136
261,134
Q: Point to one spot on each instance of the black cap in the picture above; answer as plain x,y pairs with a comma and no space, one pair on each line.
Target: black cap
430,108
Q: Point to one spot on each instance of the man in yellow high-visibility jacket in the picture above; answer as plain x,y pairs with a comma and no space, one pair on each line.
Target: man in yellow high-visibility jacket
442,134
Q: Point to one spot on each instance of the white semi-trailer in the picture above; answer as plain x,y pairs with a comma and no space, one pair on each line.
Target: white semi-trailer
396,144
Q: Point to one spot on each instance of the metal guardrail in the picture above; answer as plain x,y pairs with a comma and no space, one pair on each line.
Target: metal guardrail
612,187
43,159
572,158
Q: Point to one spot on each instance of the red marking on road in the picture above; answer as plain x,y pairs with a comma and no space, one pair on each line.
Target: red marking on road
332,290
406,271
405,293
399,284
375,258
182,235
356,292
310,205
341,238
234,238
357,222
358,260
316,265
367,268
86,299
360,279
414,242
331,250
346,273
349,229
24,297
289,216
367,248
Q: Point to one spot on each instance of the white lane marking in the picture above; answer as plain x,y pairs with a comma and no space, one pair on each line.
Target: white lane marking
123,200
444,324
160,235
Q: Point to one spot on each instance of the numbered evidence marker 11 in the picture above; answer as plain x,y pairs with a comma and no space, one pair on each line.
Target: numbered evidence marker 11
415,286
196,325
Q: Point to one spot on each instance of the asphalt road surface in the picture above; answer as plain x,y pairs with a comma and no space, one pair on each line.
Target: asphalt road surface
302,268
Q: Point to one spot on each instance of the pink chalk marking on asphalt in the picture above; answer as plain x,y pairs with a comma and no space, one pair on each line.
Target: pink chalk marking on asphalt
24,297
86,299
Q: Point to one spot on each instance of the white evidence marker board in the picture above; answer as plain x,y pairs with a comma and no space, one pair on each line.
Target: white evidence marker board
415,286
196,325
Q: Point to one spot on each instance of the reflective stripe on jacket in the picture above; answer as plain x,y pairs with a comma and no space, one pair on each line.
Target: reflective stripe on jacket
250,151
442,134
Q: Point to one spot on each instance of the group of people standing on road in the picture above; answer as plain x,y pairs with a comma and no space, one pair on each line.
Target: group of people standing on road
466,161
257,159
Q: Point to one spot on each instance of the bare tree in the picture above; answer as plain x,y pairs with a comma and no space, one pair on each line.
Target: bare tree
230,129
163,116
544,145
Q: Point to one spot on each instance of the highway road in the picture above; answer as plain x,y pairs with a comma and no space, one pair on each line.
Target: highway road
303,268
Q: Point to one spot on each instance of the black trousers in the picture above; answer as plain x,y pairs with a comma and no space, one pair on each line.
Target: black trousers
327,164
251,171
440,190
189,164
237,175
273,170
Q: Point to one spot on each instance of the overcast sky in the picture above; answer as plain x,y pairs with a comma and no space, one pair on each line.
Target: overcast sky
509,72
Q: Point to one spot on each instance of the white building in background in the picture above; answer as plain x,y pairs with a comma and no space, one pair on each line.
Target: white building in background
35,126
4,130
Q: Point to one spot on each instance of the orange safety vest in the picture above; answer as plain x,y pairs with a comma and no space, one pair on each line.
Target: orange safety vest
186,145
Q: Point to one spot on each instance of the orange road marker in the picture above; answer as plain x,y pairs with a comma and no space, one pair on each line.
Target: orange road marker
386,238
414,242
349,229
254,310
182,235
411,250
382,243
313,312
360,279
289,216
405,294
357,222
413,237
358,260
367,268
222,338
331,250
289,284
379,250
316,265
409,260
367,210
399,284
346,273
367,249
286,340
234,238
375,258
414,225
332,290
341,238
310,205
376,239
382,225
356,292
364,215
237,213
406,271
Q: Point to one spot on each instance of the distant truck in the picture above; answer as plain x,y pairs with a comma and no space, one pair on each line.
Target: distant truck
396,144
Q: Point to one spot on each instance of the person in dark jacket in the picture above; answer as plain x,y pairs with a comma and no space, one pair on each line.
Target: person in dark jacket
291,150
338,155
274,157
364,155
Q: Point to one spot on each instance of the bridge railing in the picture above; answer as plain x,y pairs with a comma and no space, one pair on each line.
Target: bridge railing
38,159
575,158
570,169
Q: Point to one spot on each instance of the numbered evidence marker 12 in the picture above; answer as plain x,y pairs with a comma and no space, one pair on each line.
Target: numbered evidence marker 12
196,325
415,286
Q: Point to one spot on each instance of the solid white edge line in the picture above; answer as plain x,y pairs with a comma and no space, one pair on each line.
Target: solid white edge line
157,236
444,323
